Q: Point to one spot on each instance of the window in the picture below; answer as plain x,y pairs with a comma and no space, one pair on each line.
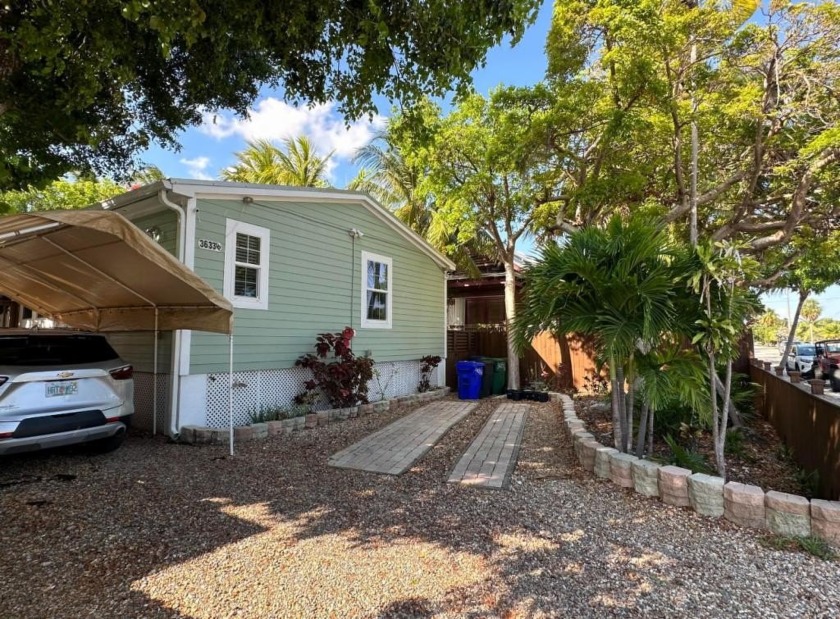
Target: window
246,265
377,291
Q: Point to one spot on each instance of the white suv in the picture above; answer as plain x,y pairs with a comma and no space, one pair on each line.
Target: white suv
802,358
62,388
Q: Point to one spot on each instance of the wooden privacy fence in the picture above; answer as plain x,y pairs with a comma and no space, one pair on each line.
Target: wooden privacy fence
568,361
808,424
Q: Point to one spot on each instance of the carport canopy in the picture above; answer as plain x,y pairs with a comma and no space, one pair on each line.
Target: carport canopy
97,271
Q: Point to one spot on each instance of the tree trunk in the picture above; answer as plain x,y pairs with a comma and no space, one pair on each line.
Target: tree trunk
617,412
803,295
622,410
640,439
695,149
510,314
720,440
715,409
631,403
736,416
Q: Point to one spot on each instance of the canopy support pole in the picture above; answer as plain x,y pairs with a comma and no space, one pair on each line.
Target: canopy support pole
155,379
230,388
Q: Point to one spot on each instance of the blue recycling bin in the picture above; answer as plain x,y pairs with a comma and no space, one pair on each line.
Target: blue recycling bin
469,379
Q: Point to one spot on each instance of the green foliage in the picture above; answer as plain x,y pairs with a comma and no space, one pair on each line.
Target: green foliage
61,194
811,544
687,458
735,443
809,481
86,86
297,164
264,413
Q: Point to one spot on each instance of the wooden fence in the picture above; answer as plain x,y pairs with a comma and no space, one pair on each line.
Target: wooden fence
808,424
567,361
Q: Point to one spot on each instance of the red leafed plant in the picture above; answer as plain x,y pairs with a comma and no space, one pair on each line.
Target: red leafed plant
427,364
337,372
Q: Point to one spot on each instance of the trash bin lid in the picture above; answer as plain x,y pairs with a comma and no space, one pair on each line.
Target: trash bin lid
469,365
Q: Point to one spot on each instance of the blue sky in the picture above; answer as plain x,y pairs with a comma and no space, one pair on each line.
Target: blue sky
209,148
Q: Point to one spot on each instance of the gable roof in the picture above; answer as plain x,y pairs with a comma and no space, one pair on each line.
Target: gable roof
192,188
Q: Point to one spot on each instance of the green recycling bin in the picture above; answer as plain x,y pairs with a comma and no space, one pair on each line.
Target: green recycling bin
499,375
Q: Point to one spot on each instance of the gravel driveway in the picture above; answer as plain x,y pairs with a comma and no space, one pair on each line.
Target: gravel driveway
160,530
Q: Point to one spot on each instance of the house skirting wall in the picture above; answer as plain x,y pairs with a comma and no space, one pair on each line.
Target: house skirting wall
144,401
204,397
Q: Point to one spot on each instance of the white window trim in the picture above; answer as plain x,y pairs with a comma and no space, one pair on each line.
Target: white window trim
377,324
232,227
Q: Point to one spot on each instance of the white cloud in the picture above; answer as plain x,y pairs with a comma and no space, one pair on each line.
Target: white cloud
197,167
276,120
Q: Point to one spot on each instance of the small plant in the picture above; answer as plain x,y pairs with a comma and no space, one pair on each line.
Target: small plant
735,444
809,481
382,389
427,364
337,372
264,413
687,458
596,384
811,544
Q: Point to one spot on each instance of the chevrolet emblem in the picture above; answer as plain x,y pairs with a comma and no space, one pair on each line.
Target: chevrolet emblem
65,374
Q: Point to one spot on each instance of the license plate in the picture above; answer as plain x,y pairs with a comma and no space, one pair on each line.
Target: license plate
69,387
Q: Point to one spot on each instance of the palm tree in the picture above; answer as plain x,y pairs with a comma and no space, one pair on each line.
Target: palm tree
613,283
264,163
397,185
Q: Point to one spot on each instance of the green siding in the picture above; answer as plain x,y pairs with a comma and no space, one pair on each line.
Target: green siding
138,348
310,289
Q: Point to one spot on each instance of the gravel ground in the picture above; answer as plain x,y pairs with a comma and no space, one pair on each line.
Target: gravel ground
161,530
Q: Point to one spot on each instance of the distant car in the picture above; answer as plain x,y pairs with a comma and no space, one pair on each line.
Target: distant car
802,359
828,360
783,344
62,388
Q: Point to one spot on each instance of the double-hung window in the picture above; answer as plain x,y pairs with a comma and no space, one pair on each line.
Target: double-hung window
246,265
377,291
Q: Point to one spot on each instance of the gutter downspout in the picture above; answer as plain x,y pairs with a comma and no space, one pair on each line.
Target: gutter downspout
176,340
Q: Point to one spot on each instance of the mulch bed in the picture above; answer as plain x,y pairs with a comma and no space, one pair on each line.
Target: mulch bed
763,460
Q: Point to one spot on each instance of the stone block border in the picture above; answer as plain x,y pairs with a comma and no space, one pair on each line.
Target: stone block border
746,506
199,435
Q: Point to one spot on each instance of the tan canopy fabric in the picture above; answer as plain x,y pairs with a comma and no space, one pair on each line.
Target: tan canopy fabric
95,270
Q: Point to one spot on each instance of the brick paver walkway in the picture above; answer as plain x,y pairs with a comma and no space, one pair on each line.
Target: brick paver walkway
491,457
394,448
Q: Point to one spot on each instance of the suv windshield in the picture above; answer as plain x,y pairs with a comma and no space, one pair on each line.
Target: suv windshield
36,350
806,351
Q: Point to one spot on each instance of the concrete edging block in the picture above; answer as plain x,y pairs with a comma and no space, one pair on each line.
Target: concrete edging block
602,461
705,492
788,514
673,485
621,469
646,477
743,504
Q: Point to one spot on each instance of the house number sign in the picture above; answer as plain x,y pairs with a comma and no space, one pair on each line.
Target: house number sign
210,245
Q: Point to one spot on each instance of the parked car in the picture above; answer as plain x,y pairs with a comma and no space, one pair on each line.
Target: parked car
62,388
802,359
828,360
783,344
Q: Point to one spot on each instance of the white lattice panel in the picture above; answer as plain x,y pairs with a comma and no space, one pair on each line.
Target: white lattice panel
144,401
268,388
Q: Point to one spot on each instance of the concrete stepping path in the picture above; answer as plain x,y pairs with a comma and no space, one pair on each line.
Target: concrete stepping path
491,457
394,448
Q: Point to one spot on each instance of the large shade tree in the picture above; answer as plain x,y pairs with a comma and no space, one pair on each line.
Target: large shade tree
485,169
85,86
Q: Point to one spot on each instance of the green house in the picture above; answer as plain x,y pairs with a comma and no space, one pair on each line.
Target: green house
294,262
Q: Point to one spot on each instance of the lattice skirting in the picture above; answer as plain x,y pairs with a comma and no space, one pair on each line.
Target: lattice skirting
144,401
277,388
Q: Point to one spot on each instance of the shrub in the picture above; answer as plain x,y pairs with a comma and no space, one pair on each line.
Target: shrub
687,458
337,372
427,364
